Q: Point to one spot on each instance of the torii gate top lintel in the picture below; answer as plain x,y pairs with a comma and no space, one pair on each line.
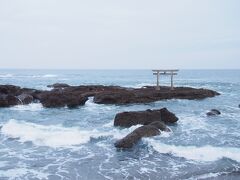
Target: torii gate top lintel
159,72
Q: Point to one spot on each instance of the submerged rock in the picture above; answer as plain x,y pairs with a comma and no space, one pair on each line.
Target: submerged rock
128,119
213,112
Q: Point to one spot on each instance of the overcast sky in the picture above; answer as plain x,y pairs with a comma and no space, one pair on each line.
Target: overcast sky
120,34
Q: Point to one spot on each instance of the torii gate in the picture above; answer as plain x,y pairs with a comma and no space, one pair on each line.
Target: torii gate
159,72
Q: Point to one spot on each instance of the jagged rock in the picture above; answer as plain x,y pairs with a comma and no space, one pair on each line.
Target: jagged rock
213,112
128,119
25,98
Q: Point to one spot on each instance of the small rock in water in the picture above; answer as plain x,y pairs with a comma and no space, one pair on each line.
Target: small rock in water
213,112
149,130
131,139
131,118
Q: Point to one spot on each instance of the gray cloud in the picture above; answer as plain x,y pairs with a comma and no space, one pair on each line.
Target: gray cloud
119,34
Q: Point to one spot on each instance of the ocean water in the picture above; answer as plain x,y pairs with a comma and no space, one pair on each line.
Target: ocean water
62,143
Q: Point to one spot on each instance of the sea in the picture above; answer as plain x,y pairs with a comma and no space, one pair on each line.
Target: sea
38,143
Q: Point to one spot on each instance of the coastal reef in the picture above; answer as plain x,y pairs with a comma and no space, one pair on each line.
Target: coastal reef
62,95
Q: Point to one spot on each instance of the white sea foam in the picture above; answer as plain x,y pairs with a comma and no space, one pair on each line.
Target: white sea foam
49,75
16,173
204,153
206,176
53,136
43,76
43,87
141,85
120,133
6,75
29,107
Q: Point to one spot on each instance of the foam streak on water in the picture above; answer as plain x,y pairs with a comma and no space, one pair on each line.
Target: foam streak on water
204,153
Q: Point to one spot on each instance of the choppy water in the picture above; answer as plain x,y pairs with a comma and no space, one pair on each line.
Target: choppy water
40,143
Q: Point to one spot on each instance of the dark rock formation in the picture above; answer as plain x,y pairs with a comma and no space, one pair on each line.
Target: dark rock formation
128,119
150,94
213,112
11,95
10,90
8,100
25,98
73,96
120,97
58,85
131,139
60,99
149,130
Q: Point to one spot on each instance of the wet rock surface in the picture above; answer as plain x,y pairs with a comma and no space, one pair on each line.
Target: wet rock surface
128,119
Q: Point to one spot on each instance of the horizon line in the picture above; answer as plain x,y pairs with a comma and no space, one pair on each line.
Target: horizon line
116,68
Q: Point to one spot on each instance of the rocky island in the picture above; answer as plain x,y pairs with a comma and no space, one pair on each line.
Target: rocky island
62,95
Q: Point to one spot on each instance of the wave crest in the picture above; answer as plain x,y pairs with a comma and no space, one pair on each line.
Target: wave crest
53,136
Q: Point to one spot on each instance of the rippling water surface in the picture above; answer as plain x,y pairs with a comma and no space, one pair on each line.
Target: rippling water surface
61,143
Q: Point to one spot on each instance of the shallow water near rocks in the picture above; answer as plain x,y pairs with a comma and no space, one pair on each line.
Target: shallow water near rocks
62,143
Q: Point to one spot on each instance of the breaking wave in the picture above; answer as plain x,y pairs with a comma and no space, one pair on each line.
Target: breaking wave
30,107
48,135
